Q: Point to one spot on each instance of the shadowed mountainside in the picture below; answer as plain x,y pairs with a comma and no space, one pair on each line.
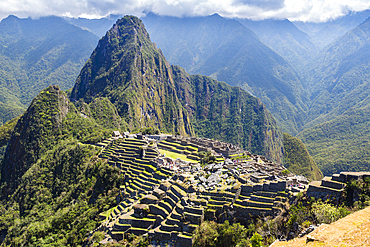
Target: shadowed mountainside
228,51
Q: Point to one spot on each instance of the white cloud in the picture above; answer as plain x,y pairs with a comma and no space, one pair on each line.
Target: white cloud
305,10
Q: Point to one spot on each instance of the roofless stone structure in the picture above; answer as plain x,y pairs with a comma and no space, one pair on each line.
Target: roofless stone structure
168,198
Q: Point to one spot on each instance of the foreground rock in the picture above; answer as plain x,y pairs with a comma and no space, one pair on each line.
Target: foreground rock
352,230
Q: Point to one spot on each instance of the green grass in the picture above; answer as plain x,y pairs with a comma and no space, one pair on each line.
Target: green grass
175,155
108,212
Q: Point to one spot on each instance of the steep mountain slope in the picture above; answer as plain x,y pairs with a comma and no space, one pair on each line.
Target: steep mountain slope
323,33
132,72
228,51
134,75
341,144
222,112
35,54
52,186
338,77
298,160
295,46
50,119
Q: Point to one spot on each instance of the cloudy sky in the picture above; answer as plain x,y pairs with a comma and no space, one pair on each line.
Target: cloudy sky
304,10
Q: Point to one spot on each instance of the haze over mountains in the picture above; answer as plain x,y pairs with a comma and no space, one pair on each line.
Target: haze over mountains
305,73
228,51
333,79
35,54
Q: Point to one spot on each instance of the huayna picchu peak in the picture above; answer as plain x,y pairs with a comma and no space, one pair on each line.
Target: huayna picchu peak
128,69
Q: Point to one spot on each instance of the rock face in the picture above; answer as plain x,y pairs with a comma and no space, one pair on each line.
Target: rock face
133,74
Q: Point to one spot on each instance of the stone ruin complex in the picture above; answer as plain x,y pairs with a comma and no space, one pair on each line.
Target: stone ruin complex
168,198
333,187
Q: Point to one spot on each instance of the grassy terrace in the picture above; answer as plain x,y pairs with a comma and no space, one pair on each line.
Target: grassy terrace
240,157
175,144
175,155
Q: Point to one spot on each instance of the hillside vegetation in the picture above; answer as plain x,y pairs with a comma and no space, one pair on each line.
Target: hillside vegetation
130,71
341,144
298,160
52,186
50,119
35,53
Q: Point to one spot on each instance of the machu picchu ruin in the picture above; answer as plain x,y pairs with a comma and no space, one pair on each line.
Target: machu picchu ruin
169,189
332,188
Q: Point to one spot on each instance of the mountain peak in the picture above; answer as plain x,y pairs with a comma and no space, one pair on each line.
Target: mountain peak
216,15
11,17
127,68
33,134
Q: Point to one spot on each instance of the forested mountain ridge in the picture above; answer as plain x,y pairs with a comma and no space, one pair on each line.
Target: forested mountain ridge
52,186
298,160
228,51
35,53
134,75
338,77
341,144
50,119
295,46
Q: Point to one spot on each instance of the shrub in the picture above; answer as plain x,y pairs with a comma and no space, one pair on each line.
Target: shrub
256,240
285,172
325,212
98,236
206,234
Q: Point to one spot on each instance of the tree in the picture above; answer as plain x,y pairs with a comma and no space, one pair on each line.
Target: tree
206,234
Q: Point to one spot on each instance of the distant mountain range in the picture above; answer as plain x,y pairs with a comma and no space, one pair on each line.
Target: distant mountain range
228,51
294,45
35,54
326,32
